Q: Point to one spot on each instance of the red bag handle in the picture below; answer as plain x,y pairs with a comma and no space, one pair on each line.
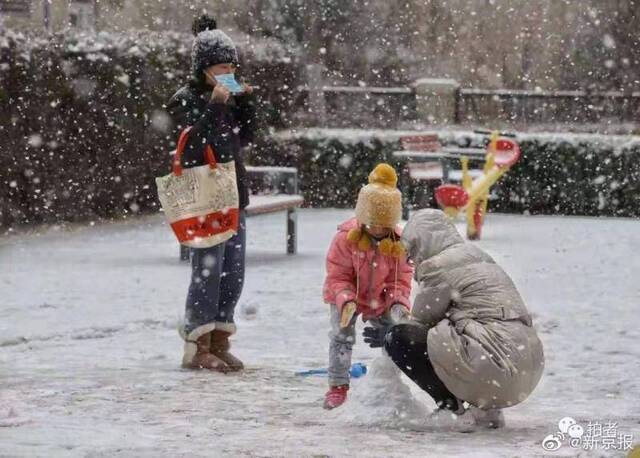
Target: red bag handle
182,142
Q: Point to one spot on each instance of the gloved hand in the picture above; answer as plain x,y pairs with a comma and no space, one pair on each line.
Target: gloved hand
375,336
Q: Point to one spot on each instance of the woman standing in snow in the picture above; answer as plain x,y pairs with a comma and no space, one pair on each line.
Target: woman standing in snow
226,123
471,340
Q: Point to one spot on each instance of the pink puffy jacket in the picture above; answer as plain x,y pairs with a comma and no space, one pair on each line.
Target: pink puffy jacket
380,280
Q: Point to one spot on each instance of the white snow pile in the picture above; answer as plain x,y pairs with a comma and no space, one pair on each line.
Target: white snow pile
382,399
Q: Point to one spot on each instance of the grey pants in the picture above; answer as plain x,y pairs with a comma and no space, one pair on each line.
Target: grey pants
341,342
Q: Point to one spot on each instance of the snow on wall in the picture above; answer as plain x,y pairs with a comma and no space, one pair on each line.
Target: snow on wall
366,136
141,43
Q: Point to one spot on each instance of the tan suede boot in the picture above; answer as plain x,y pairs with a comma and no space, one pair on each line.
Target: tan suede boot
220,347
204,359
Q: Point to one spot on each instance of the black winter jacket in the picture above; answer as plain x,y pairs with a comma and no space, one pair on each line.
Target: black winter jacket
228,128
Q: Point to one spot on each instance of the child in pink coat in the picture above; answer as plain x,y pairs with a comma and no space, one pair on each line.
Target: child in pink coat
368,274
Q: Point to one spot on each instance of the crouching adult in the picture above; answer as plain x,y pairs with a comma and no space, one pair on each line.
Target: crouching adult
470,343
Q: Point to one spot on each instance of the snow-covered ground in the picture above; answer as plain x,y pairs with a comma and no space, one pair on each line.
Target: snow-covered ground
89,353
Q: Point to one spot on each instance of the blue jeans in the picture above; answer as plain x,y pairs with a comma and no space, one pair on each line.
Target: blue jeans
217,277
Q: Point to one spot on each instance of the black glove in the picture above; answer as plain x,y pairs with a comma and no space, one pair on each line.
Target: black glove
375,337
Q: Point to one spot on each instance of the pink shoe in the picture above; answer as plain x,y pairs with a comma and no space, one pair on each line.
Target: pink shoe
335,397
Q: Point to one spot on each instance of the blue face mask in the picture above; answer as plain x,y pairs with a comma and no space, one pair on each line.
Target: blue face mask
228,80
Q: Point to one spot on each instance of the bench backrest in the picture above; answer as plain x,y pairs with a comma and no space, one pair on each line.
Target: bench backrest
273,180
425,142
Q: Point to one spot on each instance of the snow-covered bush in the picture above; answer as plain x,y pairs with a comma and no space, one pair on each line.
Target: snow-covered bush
82,127
573,177
569,175
330,170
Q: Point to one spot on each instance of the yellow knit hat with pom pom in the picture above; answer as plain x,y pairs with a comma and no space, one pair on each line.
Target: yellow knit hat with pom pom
380,202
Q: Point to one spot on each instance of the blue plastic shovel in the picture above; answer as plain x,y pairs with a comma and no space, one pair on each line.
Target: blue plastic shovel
357,370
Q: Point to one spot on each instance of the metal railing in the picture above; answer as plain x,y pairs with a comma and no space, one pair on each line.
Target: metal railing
357,106
542,107
364,106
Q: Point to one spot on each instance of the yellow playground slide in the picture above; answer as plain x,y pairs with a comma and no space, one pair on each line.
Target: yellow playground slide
472,197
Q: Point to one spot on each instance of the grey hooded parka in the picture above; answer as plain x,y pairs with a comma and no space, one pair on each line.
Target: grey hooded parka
480,340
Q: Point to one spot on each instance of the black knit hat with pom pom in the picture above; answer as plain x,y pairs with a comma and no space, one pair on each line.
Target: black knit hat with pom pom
204,22
211,46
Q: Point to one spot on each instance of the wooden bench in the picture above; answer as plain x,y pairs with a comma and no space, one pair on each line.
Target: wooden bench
273,190
429,162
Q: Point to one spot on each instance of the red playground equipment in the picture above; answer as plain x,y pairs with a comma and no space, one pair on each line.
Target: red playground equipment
473,196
